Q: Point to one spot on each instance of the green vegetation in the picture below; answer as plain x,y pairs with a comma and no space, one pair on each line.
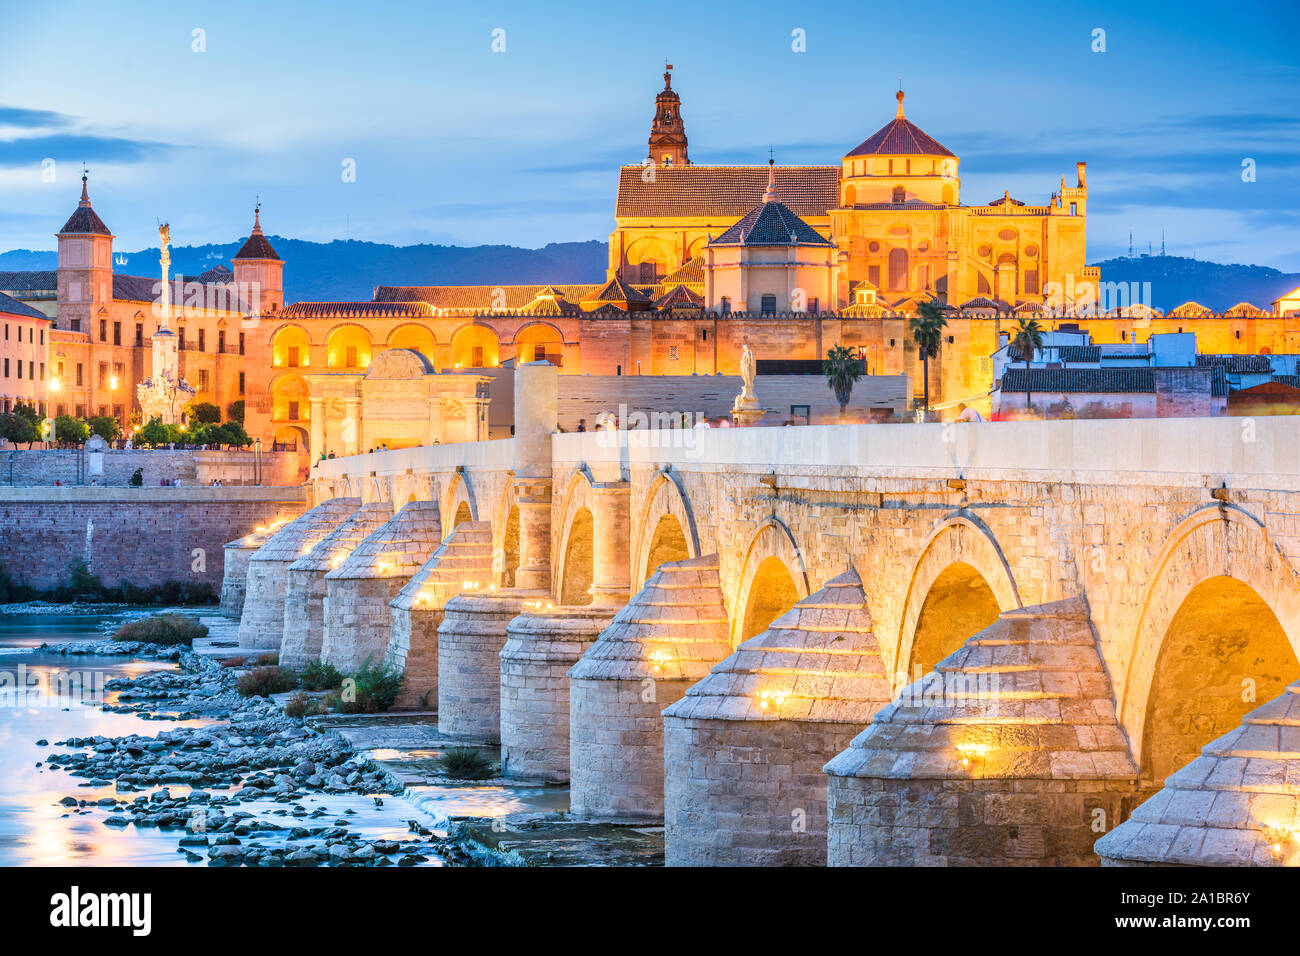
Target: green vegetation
927,331
1027,338
371,690
137,478
70,431
83,586
235,412
466,763
21,426
319,676
203,413
300,705
265,681
842,369
105,426
165,629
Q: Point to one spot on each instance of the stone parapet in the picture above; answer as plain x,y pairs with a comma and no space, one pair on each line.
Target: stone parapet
463,562
540,648
360,589
234,569
744,748
261,623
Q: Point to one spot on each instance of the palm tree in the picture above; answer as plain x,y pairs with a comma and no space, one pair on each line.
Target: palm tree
842,368
927,329
1027,340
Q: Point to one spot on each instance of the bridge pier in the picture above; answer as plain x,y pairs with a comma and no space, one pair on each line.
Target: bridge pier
667,637
463,559
261,625
542,645
305,605
1235,805
744,748
359,590
540,648
1002,755
234,569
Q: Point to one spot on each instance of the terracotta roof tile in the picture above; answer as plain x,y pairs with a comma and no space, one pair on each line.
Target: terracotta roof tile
771,224
900,137
726,192
10,306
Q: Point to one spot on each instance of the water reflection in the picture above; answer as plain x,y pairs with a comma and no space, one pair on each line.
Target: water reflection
36,830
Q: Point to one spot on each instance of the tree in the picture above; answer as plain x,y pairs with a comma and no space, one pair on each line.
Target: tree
927,330
18,429
203,413
1027,340
71,430
105,427
233,434
842,369
156,433
235,411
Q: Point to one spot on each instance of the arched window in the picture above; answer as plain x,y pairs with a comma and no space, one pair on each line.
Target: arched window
900,194
898,268
769,304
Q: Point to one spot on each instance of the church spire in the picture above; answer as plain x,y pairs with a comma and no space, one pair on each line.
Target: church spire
770,195
900,114
85,193
668,132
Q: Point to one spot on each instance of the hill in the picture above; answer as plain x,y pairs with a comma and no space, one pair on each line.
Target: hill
1175,280
350,270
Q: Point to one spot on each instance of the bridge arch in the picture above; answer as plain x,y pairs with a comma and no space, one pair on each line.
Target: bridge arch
505,537
773,578
458,502
573,560
666,527
1218,635
963,580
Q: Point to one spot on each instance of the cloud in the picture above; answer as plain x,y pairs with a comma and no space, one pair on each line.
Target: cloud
79,147
33,119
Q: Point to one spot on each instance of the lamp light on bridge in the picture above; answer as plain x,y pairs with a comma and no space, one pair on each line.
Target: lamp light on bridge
386,566
1278,836
658,659
772,698
972,755
470,585
337,560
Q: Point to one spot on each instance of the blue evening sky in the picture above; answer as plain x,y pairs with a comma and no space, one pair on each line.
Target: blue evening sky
454,143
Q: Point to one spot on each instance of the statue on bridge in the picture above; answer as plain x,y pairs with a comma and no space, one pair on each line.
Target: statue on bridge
746,410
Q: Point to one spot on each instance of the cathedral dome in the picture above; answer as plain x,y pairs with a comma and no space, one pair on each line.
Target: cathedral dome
900,137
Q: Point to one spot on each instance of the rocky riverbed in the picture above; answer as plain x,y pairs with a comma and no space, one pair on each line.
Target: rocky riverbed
203,781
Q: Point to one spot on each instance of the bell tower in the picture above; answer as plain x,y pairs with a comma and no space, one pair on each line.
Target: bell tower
668,132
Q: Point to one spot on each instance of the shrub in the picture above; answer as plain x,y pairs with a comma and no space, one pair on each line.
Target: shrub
232,433
72,431
204,413
265,681
319,676
300,705
466,763
231,662
156,433
371,689
166,629
19,429
137,478
268,659
15,591
235,411
105,427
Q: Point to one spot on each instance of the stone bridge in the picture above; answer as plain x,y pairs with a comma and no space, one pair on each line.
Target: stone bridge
914,644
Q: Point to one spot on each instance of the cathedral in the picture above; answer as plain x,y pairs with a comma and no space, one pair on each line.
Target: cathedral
703,260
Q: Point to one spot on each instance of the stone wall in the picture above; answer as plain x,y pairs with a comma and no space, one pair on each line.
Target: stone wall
145,536
42,466
590,396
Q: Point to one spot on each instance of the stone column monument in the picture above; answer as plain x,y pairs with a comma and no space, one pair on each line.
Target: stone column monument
745,410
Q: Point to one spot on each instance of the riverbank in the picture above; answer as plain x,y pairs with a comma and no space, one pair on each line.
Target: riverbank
237,789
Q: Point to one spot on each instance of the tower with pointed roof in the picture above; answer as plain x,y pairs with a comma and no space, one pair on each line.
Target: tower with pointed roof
770,262
900,163
259,271
85,272
668,132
